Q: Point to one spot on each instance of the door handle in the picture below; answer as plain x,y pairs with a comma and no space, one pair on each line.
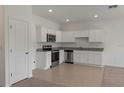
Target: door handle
26,53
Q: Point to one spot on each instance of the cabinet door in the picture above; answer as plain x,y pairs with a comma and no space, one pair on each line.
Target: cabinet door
48,60
96,36
84,57
40,60
80,57
58,36
76,57
61,56
87,57
38,33
98,59
41,34
91,58
68,37
43,60
79,34
95,58
92,36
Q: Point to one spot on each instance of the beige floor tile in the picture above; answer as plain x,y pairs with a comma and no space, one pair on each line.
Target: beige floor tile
71,75
75,75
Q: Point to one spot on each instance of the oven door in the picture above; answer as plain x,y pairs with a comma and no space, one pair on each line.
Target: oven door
55,58
55,55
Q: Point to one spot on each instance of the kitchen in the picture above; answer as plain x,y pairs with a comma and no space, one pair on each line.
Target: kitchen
58,44
48,56
86,46
90,42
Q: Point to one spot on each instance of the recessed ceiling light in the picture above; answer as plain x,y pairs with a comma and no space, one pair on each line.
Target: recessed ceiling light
96,16
67,20
50,10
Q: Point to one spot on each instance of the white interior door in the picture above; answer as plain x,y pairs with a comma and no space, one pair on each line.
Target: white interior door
18,46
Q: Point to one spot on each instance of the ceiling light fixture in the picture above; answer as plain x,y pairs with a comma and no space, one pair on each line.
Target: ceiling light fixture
67,20
50,10
96,16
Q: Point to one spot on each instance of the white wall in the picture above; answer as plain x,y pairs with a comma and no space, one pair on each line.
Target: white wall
114,39
37,20
114,42
22,13
75,26
2,61
45,22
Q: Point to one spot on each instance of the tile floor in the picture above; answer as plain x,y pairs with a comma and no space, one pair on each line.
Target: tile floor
75,75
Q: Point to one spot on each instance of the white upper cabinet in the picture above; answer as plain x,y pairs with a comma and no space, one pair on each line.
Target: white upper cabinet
93,35
58,36
68,36
41,33
80,34
51,31
96,36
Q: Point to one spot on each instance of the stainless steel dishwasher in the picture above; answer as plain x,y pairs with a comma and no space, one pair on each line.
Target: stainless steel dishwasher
68,56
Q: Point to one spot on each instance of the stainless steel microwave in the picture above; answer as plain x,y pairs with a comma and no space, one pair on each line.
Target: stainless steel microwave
51,38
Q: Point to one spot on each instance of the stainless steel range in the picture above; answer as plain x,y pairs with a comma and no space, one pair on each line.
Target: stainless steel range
54,54
55,57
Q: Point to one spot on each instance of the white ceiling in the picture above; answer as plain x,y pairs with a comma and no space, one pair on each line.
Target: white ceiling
78,13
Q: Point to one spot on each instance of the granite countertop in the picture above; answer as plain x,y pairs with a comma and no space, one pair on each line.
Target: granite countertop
41,50
73,48
83,48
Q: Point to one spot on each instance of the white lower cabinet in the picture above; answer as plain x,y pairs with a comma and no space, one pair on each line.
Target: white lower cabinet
76,57
80,57
87,57
95,58
61,56
43,60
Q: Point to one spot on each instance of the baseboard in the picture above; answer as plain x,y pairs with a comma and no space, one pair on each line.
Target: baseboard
114,66
7,85
97,65
93,65
4,85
